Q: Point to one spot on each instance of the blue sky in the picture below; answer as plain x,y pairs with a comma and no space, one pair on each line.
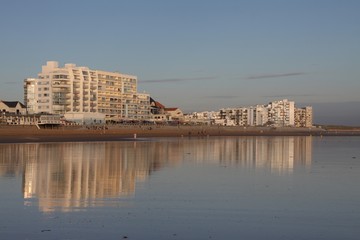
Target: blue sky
196,55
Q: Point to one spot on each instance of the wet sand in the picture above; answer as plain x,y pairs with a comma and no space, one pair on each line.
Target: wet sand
24,134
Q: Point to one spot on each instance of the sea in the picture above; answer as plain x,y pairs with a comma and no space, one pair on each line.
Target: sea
257,187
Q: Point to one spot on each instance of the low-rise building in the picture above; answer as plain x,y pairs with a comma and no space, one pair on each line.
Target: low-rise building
174,114
12,107
85,118
206,117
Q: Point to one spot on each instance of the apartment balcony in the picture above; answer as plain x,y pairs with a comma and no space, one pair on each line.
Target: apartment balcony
60,84
59,88
58,107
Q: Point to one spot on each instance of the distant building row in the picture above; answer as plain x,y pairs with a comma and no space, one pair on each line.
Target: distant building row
281,113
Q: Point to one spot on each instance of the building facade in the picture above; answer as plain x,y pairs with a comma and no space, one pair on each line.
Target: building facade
12,107
74,89
282,113
303,117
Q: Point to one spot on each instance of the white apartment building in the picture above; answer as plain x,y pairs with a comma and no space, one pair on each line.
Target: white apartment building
261,113
206,117
74,89
31,100
303,117
246,116
281,113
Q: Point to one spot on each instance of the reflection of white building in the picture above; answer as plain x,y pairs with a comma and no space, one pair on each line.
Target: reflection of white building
279,154
75,175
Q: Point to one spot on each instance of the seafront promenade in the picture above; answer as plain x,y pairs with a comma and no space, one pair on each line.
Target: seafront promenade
24,134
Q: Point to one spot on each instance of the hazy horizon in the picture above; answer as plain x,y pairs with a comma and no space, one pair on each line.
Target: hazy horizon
197,55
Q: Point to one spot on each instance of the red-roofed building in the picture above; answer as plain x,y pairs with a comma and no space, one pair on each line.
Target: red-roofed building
174,114
160,113
156,107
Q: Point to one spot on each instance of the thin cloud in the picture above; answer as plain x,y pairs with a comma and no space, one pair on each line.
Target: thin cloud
12,83
174,80
276,75
289,95
223,97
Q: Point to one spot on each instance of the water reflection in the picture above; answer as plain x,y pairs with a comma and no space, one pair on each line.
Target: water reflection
70,176
277,154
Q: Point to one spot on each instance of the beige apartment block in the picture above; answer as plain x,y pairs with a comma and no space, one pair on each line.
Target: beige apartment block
75,89
304,117
281,113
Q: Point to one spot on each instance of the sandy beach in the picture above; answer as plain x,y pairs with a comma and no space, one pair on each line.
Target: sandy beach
24,134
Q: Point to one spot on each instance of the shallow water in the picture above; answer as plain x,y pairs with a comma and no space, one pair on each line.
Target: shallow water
181,188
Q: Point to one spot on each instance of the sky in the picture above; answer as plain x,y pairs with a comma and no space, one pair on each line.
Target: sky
198,55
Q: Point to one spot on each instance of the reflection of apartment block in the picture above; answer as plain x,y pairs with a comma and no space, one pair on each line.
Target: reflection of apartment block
70,176
12,157
74,89
303,151
75,175
278,154
303,117
281,154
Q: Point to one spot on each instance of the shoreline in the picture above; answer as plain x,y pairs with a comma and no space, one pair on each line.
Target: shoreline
31,134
